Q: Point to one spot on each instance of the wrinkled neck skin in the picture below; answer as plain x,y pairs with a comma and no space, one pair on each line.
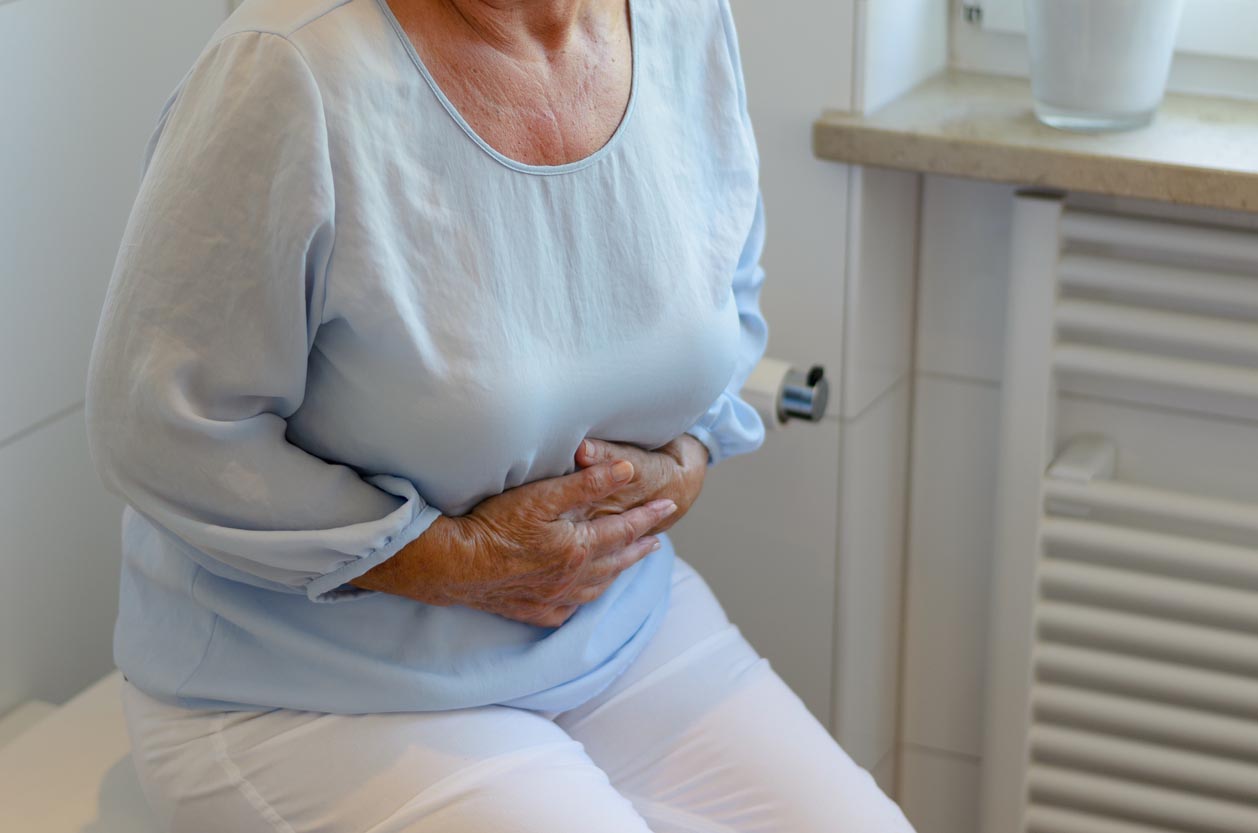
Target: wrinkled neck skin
542,81
533,29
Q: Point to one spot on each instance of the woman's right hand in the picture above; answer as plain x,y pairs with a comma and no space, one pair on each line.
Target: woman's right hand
531,553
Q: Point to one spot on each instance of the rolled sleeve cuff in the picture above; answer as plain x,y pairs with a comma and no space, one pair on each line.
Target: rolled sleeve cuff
334,586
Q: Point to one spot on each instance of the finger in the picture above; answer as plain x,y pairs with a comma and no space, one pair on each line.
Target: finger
590,452
540,615
605,570
560,494
555,617
611,533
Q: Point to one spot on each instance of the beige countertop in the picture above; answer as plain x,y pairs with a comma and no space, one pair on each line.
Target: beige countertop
1198,151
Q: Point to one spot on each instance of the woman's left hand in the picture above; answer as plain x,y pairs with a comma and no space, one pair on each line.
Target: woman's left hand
675,470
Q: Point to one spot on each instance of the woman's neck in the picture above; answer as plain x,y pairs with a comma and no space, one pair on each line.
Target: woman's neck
522,28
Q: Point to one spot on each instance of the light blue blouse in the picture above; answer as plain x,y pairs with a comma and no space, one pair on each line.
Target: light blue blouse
338,313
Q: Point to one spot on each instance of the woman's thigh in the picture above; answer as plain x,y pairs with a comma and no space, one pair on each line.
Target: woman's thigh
703,736
285,771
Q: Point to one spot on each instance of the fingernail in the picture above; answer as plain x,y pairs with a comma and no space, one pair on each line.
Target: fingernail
658,543
587,448
622,470
670,507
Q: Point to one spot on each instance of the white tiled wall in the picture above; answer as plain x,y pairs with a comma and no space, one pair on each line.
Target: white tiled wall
84,81
897,44
59,547
875,400
871,555
884,773
904,42
950,529
939,791
882,262
964,261
959,357
960,340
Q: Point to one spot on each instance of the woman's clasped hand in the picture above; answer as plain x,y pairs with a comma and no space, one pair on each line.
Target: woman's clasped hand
536,552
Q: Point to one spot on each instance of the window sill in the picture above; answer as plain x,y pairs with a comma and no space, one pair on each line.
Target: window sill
1199,151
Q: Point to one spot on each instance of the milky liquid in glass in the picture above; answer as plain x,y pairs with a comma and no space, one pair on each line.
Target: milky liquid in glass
1100,64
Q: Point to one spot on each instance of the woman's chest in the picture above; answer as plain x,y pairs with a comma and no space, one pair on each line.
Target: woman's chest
479,321
463,420
481,265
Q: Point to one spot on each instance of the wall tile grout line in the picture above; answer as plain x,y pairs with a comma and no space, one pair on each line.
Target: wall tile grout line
885,394
852,232
962,378
889,755
966,757
906,519
39,425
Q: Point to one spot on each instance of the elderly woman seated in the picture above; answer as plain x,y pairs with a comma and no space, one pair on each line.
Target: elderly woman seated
429,319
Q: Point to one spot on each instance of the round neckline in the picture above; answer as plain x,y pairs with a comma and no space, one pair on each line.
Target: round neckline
515,164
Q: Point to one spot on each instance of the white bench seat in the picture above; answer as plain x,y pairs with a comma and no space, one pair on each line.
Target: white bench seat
71,771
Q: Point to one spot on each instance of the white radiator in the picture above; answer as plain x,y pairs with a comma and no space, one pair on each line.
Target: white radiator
1123,666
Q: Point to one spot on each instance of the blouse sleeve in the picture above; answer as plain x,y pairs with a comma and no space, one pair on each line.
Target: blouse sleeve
731,426
201,352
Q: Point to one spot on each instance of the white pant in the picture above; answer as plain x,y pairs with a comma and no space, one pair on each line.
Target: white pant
699,735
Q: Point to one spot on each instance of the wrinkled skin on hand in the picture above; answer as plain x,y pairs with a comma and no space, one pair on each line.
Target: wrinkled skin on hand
536,552
539,552
674,471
